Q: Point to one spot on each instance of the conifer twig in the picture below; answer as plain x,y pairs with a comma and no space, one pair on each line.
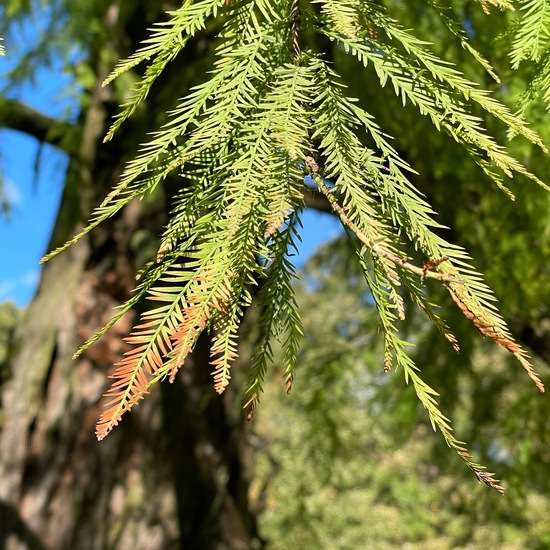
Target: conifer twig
501,338
422,272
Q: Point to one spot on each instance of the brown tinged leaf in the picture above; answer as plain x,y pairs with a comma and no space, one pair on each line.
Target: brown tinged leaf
454,342
195,317
160,349
433,263
250,407
288,383
499,336
489,480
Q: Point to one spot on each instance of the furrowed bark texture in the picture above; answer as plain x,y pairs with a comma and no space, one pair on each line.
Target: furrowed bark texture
175,473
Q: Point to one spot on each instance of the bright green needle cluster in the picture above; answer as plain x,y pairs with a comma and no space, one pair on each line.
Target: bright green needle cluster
532,45
272,111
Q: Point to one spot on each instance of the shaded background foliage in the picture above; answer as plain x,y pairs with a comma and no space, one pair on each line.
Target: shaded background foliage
349,459
356,459
393,481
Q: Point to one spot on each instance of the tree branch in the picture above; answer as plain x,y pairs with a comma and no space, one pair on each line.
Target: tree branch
15,115
375,247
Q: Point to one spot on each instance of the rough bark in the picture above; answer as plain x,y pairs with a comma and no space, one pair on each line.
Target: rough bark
175,473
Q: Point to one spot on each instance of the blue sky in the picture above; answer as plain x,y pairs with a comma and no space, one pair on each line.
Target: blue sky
35,194
34,190
34,201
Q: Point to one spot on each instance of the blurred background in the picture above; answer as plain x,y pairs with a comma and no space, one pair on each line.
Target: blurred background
349,459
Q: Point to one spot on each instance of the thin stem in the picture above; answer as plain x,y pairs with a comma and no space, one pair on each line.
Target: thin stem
422,272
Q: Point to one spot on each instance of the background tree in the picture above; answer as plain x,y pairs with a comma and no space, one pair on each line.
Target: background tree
208,444
351,460
58,488
508,426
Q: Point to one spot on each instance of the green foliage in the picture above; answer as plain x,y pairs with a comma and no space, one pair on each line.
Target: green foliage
271,111
351,462
532,43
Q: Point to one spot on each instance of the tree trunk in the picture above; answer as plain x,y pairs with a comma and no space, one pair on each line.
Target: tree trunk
175,473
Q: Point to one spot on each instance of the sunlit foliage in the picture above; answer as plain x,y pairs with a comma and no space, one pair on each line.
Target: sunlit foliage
272,120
